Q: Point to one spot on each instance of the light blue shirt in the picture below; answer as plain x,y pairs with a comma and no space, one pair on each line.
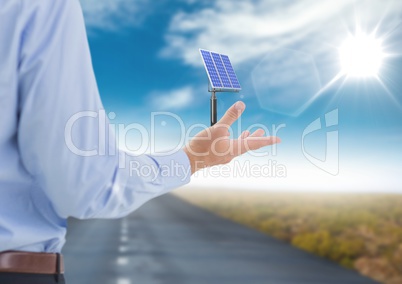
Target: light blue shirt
46,78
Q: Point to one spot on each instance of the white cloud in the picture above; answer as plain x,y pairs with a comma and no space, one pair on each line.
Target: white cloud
247,29
113,14
254,33
175,99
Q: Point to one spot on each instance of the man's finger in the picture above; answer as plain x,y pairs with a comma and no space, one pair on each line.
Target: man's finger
232,114
258,133
254,143
244,135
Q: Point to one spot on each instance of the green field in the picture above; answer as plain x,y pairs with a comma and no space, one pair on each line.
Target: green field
359,231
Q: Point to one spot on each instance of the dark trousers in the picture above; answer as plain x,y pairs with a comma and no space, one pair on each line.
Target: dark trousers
22,278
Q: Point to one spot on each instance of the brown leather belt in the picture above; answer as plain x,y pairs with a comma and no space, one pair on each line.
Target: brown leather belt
31,262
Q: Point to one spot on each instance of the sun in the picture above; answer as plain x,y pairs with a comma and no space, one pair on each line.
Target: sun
361,56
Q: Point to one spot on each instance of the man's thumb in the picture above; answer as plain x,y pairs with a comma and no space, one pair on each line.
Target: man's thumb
232,114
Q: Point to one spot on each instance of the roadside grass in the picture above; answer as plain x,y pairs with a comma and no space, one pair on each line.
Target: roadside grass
359,231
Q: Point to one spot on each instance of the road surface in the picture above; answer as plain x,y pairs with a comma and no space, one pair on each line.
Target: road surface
168,241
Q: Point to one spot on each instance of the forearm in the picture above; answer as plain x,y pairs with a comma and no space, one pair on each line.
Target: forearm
140,179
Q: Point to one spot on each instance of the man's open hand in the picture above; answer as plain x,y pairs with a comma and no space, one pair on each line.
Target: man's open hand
213,145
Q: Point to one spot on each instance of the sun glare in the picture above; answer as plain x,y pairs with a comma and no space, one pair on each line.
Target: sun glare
361,56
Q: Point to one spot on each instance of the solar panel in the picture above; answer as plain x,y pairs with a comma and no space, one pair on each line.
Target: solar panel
211,70
220,71
231,72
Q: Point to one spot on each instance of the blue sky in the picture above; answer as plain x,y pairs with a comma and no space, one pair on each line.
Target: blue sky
145,56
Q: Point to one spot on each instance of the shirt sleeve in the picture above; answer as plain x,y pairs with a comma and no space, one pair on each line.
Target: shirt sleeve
60,135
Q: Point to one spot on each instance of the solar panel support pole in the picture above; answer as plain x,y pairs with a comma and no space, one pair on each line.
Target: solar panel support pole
221,78
214,109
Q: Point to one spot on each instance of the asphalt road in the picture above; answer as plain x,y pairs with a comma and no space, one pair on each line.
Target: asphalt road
169,241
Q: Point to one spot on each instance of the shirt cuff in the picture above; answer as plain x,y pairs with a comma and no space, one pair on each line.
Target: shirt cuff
174,170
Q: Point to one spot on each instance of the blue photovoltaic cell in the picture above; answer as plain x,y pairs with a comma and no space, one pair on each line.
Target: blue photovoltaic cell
221,70
231,72
212,72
